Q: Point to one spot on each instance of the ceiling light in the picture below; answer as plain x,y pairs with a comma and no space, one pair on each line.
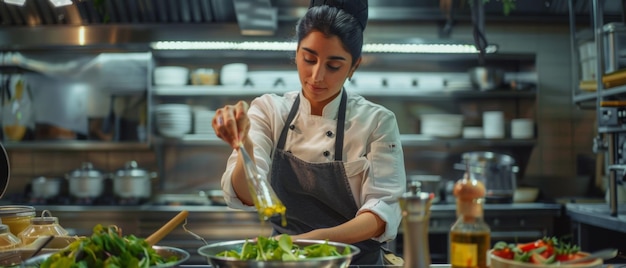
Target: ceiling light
60,3
291,46
15,2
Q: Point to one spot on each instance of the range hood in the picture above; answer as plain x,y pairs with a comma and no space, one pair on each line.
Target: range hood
135,23
90,12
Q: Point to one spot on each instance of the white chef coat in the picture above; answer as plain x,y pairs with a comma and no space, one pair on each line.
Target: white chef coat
373,156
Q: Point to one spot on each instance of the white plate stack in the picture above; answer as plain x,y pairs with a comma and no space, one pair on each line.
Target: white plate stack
173,120
202,121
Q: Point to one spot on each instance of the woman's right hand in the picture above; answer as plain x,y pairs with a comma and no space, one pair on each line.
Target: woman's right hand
231,123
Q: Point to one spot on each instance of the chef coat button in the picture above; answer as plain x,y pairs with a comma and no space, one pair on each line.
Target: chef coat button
326,153
292,127
329,133
288,152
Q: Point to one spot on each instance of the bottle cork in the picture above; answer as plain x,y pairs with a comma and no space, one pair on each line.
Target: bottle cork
469,194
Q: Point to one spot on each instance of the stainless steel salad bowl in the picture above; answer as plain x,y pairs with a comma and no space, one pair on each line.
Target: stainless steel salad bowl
211,251
164,251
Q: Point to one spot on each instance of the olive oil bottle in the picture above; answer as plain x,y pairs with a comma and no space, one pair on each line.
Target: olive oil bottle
470,236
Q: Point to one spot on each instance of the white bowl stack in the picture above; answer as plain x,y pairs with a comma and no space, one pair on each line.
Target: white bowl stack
442,125
173,120
171,76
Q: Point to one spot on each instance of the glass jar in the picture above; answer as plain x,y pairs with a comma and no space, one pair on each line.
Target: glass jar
7,239
46,225
17,218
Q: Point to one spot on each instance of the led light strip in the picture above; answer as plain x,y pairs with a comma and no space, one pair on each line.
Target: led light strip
56,3
290,46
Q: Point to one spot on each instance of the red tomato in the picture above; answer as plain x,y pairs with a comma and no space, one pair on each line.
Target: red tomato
569,256
531,245
548,252
505,253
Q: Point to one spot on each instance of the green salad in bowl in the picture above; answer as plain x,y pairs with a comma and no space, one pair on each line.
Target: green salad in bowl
106,247
281,252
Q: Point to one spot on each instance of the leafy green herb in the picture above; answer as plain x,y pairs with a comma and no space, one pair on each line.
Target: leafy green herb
283,249
106,248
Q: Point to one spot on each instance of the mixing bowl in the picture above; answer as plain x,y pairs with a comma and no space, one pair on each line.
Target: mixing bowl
164,251
211,251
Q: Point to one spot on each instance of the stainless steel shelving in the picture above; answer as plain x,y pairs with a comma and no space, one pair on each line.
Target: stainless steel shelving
237,91
406,139
76,146
608,132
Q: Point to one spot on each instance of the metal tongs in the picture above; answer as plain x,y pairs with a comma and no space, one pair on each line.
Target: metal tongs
265,199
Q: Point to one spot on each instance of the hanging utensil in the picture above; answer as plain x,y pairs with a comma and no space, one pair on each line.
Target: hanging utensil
447,7
478,22
265,199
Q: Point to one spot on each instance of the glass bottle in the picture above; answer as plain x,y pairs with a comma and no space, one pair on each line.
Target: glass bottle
42,226
470,236
7,239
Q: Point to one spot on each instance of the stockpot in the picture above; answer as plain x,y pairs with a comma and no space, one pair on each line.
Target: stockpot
132,182
86,182
43,187
497,171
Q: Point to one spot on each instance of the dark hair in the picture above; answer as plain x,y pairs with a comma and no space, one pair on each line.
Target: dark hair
332,21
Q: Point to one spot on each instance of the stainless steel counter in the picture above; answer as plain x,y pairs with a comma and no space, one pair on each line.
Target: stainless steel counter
597,215
219,223
594,228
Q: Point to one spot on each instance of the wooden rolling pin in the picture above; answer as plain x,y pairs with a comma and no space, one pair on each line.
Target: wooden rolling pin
167,228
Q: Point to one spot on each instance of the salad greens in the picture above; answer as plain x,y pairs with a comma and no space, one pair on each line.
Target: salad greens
106,248
283,249
546,250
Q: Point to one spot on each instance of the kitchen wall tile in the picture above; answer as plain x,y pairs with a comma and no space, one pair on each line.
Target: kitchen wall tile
21,163
99,159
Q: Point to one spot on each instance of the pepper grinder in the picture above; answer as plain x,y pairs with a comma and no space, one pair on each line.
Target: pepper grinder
415,219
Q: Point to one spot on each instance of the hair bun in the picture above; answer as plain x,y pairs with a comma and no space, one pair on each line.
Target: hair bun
357,8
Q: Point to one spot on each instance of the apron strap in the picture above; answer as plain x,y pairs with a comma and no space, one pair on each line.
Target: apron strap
341,122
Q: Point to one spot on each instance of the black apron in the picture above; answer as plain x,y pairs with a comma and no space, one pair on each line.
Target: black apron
317,195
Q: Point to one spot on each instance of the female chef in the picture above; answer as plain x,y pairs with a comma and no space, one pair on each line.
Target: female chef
332,157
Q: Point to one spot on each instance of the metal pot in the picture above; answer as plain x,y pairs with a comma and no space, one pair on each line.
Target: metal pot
497,171
132,182
486,78
46,188
86,182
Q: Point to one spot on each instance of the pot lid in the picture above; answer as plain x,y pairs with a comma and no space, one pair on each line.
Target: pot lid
42,180
131,169
86,171
4,170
